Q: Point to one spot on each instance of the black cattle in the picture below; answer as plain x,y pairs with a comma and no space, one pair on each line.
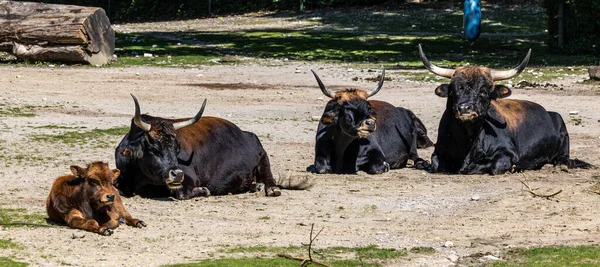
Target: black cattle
186,158
369,135
481,132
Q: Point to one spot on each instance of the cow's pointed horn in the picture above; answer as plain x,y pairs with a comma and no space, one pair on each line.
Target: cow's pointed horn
322,86
181,124
379,85
498,75
137,119
433,68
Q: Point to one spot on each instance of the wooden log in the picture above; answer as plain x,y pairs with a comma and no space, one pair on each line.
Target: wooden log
66,33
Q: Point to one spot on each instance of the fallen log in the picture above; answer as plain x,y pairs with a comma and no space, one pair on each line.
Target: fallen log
48,32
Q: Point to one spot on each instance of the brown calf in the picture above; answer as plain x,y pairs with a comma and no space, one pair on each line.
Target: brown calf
88,200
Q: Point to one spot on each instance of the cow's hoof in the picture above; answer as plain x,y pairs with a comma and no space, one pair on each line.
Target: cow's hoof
200,192
319,170
421,164
379,169
107,232
259,187
273,191
140,224
386,167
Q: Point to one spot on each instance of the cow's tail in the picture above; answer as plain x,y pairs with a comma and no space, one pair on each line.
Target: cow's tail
575,163
294,182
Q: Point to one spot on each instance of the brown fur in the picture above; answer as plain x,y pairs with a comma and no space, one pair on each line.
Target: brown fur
349,94
513,111
471,72
194,136
81,200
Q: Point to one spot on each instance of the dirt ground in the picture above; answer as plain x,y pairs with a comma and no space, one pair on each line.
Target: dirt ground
479,214
399,209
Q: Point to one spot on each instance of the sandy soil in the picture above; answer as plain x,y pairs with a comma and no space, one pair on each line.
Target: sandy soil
399,209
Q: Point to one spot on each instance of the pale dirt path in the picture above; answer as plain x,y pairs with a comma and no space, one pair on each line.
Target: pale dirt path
400,209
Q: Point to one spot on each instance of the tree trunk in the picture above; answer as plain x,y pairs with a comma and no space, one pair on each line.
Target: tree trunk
65,33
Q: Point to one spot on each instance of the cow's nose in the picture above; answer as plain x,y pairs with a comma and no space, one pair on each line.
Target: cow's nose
176,175
110,197
370,122
465,108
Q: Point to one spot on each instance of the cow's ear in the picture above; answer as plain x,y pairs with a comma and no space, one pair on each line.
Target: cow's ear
500,91
78,171
442,90
117,172
329,118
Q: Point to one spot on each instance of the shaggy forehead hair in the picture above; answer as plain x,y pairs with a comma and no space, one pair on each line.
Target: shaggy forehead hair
350,94
470,73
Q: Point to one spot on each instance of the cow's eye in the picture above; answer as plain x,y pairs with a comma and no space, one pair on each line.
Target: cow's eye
94,183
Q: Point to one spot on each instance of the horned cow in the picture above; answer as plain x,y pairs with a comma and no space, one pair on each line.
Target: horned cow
192,157
482,132
88,200
369,135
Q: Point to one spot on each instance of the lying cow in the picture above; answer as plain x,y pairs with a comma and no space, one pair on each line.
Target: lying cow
481,132
369,135
186,158
88,200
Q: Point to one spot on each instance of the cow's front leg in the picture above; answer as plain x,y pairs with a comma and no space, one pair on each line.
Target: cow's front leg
75,219
499,162
502,162
377,163
322,157
121,213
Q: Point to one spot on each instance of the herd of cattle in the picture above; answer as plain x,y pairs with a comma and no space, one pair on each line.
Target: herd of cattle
479,132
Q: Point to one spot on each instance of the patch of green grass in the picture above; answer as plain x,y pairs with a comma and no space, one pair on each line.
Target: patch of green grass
166,51
266,262
263,249
95,138
422,250
58,127
8,244
8,215
8,262
336,256
553,256
16,112
370,252
264,218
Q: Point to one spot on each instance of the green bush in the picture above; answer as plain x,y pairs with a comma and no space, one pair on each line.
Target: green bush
581,24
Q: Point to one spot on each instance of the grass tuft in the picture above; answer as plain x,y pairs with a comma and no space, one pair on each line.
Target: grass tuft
553,257
8,215
7,262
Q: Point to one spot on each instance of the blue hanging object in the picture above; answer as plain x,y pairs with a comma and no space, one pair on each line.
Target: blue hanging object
472,20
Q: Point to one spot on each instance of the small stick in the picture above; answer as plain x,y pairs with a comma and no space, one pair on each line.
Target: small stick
532,191
306,262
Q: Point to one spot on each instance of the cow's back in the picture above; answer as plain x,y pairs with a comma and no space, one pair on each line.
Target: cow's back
534,132
61,190
219,153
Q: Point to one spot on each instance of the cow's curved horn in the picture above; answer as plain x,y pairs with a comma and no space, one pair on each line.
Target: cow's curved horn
433,68
376,89
181,124
498,75
322,86
137,119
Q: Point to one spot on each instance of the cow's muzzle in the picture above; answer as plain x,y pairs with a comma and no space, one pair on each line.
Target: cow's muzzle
366,128
465,112
175,179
